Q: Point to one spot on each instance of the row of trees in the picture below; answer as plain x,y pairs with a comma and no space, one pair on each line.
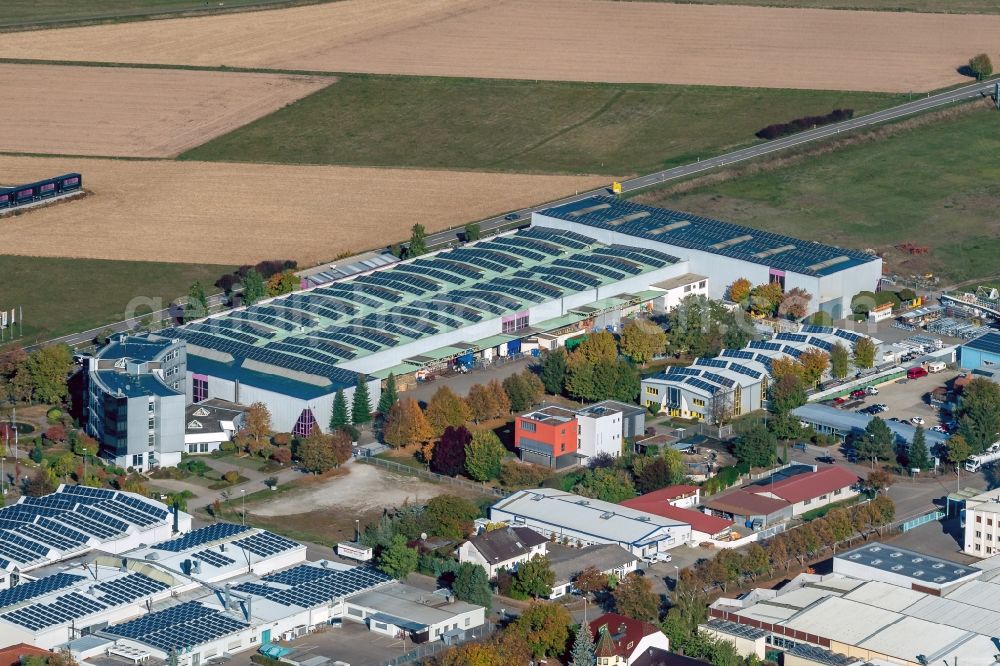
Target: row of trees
700,326
38,377
769,299
616,479
594,370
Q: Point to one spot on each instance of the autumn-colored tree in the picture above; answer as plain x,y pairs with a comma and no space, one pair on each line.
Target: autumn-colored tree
281,455
765,298
55,433
786,365
864,353
316,452
500,397
794,303
482,401
878,481
49,368
595,348
406,425
634,597
591,580
257,422
446,409
958,449
642,340
523,389
450,516
739,291
282,283
544,627
814,363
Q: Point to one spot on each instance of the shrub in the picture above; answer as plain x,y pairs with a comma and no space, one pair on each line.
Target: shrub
282,439
514,473
779,130
282,455
53,415
231,477
56,433
227,447
226,282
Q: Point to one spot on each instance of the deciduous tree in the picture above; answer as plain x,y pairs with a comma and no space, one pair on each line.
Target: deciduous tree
483,455
739,291
642,340
196,305
398,560
257,422
840,360
544,627
876,442
284,282
450,516
981,66
447,409
418,241
523,389
794,303
316,452
406,425
766,298
958,450
864,353
634,597
482,403
49,368
591,581
473,232
533,578
814,363
878,481
449,453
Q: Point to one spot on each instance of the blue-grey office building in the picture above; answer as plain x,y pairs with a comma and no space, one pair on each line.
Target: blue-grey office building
981,353
135,401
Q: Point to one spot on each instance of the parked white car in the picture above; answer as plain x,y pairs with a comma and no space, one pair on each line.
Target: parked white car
917,420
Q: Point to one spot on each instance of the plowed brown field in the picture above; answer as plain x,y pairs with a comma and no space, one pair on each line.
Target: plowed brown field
133,112
223,213
578,40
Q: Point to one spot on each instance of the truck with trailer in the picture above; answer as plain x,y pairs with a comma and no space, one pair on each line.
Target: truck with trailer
987,457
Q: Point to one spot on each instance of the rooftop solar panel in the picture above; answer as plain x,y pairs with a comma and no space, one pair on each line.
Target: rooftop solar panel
203,535
37,588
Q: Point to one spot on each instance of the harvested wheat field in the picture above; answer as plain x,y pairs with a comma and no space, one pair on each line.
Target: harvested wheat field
223,213
126,112
572,40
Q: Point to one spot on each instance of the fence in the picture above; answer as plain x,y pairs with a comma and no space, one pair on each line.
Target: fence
432,476
913,523
424,650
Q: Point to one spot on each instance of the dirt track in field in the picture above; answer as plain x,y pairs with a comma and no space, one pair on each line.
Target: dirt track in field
234,214
579,40
133,112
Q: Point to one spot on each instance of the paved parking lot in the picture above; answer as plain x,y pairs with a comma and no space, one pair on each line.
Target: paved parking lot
909,398
351,643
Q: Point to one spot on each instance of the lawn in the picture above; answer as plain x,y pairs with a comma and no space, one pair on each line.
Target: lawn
937,6
935,185
61,296
27,12
522,126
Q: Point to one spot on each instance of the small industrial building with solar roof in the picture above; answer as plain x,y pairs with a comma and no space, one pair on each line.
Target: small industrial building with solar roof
739,376
106,590
881,605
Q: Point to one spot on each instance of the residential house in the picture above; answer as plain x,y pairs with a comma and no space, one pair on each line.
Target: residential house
812,490
608,558
502,548
210,423
623,641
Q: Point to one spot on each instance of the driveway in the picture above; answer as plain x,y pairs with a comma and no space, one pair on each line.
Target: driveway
461,383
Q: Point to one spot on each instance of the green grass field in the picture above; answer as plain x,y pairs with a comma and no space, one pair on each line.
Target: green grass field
935,6
518,125
936,185
61,296
16,13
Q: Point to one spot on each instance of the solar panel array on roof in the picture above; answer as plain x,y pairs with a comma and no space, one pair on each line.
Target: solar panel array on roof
762,344
990,343
67,607
818,329
791,337
710,362
302,586
738,353
820,342
121,591
705,234
213,558
266,544
202,535
744,370
569,239
178,627
850,336
719,379
37,588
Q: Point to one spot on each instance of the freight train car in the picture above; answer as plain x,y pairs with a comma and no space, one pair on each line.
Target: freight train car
12,197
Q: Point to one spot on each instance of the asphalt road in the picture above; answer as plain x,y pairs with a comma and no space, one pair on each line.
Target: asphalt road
451,236
980,89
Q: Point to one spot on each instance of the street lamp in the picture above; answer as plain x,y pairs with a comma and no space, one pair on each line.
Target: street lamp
243,511
357,531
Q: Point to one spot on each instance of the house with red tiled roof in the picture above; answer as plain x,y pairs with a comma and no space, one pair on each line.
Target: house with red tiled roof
745,507
622,641
703,526
812,490
11,655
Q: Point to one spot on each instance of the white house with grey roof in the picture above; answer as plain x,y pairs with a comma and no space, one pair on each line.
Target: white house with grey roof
503,548
582,521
